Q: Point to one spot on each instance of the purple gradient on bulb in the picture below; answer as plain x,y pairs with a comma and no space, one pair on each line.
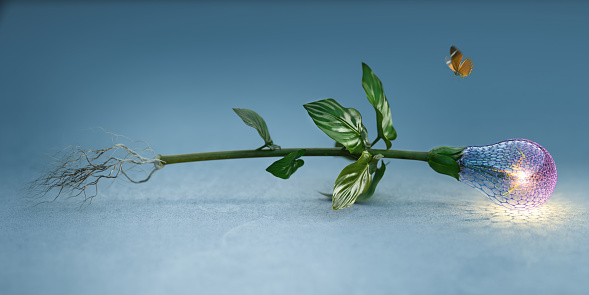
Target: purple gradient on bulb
517,174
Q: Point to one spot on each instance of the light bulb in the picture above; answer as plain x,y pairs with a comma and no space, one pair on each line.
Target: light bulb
517,174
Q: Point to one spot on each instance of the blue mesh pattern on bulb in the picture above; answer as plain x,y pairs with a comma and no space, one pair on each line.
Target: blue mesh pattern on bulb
517,173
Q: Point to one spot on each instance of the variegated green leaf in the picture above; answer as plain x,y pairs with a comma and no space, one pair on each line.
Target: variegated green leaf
288,165
343,125
252,119
376,97
353,181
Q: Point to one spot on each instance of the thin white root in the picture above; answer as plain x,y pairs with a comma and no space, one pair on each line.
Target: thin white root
77,171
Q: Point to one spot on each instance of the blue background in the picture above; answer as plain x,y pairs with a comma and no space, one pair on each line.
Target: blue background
169,73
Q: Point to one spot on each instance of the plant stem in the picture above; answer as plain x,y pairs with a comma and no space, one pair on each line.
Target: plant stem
334,152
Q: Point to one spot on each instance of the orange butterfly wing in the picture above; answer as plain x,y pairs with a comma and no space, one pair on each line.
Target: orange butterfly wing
456,57
465,68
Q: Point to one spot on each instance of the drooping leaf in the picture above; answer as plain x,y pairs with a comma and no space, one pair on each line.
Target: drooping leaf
343,125
444,164
353,181
252,119
375,180
375,94
288,165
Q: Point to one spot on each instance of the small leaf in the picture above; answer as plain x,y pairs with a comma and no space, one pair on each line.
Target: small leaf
353,181
343,125
330,196
375,180
252,119
375,94
444,164
288,165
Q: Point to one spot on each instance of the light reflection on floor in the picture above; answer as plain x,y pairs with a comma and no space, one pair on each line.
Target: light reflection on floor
558,211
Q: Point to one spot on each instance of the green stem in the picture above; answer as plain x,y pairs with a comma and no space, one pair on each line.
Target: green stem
334,152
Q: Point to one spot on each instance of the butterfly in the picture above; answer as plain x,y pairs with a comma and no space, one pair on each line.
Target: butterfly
459,67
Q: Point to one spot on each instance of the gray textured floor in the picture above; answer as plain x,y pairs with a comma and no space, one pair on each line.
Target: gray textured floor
422,233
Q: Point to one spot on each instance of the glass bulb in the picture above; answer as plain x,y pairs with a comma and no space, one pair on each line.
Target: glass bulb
517,174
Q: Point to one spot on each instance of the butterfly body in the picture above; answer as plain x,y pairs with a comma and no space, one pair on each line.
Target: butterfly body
455,63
